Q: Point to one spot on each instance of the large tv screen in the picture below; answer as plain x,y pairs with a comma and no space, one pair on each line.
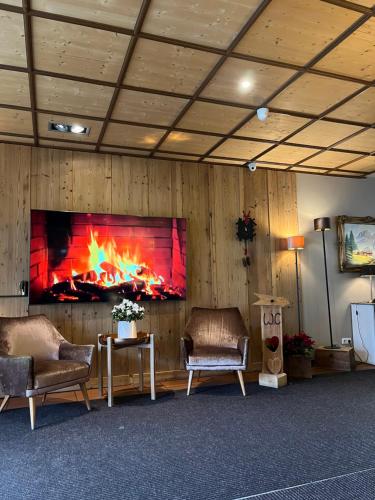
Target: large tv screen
79,257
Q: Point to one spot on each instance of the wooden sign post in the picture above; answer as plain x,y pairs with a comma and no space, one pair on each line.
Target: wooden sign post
272,374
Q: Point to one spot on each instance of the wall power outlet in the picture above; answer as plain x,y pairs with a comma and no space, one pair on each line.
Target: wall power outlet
346,341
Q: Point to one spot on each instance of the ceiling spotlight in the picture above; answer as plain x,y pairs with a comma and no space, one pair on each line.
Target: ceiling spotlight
61,127
66,129
245,84
262,114
77,129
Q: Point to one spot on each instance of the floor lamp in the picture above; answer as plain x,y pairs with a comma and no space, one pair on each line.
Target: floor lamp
297,243
369,272
323,224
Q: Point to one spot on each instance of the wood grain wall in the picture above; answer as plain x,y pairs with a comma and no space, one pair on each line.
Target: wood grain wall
210,197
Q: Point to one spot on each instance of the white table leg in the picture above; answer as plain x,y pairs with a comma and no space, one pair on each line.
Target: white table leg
100,370
140,368
152,367
109,371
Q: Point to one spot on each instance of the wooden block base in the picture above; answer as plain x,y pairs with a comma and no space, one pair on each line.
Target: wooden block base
270,380
335,359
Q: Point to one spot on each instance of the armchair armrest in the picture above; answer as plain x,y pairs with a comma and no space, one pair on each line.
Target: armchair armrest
16,374
186,347
74,352
243,346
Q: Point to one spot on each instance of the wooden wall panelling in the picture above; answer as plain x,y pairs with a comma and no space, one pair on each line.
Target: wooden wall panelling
229,275
260,270
282,199
167,318
196,209
130,196
210,197
14,225
92,183
52,189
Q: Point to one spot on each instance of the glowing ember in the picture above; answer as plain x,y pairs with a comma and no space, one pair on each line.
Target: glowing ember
107,267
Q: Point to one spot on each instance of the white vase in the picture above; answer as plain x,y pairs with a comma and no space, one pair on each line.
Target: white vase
127,330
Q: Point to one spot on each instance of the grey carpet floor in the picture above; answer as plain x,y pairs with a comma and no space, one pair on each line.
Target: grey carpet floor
214,445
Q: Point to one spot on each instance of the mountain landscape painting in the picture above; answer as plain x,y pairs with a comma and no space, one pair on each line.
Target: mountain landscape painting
359,244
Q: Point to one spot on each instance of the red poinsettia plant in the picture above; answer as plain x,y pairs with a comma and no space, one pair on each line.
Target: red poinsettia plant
272,343
299,344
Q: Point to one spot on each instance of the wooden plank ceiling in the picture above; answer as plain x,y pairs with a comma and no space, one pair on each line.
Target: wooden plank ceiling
177,79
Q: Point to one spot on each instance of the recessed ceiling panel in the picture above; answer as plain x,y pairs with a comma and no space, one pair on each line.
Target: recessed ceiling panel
12,39
364,3
314,94
132,136
359,109
15,121
128,151
272,166
361,142
309,170
275,128
294,31
324,134
72,97
221,161
149,108
287,154
246,82
365,165
14,88
239,148
213,23
330,159
15,3
73,145
78,50
162,66
355,56
183,142
170,156
44,118
212,117
14,138
122,13
341,173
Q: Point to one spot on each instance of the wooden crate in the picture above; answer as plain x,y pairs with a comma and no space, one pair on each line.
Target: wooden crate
336,359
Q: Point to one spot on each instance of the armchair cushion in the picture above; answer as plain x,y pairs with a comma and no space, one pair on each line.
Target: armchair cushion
50,373
33,336
73,352
215,356
15,374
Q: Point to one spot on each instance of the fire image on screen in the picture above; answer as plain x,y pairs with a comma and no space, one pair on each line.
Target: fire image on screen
78,257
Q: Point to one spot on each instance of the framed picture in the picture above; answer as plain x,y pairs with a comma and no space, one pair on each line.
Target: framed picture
356,243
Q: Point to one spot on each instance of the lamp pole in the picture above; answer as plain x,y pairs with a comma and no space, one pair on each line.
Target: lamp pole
323,224
298,294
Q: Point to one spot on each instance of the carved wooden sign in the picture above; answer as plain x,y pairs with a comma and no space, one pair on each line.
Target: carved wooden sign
272,374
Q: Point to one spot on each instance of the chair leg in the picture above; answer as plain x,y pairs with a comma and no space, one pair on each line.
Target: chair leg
4,403
44,398
240,378
85,396
199,375
189,382
32,406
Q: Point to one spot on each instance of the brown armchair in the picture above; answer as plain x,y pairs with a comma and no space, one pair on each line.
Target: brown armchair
36,359
215,339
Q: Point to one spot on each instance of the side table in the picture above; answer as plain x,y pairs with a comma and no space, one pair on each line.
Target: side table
111,342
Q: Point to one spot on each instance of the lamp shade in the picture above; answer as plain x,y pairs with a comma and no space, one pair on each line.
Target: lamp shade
322,224
296,243
368,271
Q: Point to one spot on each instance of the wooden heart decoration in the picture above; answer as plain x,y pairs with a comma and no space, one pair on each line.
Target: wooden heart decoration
274,365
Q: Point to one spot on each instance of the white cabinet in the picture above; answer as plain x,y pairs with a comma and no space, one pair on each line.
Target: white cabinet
363,328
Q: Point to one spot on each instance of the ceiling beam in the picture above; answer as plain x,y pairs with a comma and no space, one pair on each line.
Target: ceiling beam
252,19
125,65
30,66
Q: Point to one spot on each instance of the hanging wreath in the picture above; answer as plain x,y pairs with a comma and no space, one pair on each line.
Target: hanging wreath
246,232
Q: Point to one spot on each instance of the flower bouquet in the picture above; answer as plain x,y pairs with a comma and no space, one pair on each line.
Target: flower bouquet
126,315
